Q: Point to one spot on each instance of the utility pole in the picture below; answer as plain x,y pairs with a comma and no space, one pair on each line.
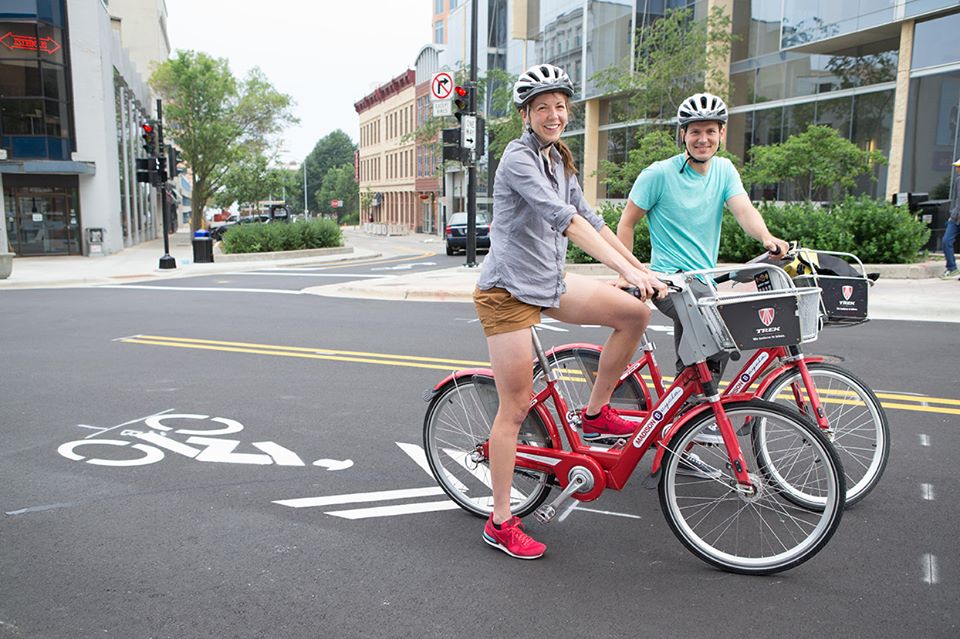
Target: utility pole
167,261
472,170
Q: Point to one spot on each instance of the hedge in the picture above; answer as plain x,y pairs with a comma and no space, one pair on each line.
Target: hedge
277,236
876,232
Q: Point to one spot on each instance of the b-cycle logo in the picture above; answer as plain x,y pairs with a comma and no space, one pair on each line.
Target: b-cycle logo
847,292
748,374
766,315
203,443
657,416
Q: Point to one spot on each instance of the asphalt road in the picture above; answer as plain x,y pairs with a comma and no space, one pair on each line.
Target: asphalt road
264,482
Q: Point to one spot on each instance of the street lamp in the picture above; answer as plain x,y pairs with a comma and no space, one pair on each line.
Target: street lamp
305,216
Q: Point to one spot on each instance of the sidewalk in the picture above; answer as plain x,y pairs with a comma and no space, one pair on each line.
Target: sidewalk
904,292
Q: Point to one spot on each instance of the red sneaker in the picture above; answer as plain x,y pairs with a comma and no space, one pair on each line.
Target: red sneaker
512,540
607,423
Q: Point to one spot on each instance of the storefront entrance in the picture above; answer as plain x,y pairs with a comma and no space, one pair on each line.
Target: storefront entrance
42,220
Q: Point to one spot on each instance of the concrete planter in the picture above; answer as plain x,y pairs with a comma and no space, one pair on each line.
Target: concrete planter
6,265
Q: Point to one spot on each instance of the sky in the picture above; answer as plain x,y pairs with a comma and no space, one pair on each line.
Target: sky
325,54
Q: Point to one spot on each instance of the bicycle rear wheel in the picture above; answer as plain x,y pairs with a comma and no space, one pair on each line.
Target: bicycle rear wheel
457,423
861,435
762,532
576,370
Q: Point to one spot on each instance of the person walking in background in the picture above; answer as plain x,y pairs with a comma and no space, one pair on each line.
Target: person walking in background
953,227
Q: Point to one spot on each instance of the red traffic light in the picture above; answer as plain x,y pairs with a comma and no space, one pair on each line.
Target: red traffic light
147,128
460,91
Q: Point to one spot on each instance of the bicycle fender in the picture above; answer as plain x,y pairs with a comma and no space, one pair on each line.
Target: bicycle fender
575,345
460,374
669,433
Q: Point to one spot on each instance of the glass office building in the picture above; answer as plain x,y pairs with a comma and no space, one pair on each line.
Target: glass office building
883,73
71,102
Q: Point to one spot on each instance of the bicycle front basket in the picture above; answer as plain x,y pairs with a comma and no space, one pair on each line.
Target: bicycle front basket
764,320
844,299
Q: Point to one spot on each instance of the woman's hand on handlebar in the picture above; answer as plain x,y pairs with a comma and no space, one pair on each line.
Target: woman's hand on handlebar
648,286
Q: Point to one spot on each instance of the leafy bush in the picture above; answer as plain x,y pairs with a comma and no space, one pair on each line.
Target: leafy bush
876,232
258,238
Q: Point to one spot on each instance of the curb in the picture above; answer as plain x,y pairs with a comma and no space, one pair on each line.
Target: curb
280,255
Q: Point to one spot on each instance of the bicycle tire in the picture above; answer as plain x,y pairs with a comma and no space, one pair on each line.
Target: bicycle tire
458,420
576,369
861,433
757,534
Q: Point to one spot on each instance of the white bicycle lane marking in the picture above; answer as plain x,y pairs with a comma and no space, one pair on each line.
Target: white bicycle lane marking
201,444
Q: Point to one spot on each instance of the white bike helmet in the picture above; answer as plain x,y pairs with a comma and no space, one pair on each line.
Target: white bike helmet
538,79
702,107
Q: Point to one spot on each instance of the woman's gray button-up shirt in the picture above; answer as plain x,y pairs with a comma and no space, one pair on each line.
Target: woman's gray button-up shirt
532,207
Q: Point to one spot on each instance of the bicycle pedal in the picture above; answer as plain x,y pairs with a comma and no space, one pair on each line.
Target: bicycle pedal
606,440
567,509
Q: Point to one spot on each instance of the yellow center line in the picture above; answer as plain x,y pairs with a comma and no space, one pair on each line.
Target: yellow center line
919,403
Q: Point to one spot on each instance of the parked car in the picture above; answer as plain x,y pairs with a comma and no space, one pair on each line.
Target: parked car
456,232
216,232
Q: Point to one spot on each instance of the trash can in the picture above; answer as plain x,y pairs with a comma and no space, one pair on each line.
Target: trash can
202,247
934,213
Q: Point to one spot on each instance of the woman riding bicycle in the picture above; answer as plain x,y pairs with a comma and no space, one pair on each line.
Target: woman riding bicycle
538,207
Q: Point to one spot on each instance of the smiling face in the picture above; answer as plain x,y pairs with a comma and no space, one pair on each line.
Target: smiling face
702,139
547,116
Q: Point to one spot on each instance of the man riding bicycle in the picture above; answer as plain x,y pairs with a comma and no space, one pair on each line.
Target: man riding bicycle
683,198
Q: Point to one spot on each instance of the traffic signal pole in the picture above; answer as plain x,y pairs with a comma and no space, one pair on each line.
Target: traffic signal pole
167,261
472,170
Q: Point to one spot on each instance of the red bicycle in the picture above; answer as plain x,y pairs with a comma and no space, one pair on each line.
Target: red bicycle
840,403
766,499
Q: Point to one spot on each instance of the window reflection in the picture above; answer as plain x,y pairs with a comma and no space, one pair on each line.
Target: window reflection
561,37
608,43
931,133
935,42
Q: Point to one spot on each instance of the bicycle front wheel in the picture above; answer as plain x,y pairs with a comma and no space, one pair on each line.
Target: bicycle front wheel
457,423
860,433
576,370
757,531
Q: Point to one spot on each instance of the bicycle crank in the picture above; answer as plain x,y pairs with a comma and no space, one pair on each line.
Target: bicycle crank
581,481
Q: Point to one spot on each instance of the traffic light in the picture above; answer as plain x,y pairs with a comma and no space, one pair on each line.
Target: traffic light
451,144
148,133
460,102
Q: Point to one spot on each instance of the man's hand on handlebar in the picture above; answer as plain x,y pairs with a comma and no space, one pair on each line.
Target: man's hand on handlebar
776,247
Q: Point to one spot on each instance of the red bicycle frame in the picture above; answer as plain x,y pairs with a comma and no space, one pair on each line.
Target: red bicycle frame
612,467
756,371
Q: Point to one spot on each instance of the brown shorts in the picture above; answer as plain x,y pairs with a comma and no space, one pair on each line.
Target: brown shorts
501,312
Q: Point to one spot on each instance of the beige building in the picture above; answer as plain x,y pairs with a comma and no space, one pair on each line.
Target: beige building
142,26
389,203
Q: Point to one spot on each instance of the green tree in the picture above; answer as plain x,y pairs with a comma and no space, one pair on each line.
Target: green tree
339,184
251,179
674,57
216,118
819,162
330,151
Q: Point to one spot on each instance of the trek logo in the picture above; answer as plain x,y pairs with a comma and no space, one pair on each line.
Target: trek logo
766,315
657,416
847,292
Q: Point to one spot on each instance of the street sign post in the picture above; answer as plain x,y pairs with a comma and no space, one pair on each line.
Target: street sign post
441,86
468,128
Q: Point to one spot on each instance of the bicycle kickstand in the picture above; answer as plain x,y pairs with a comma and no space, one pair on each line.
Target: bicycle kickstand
581,481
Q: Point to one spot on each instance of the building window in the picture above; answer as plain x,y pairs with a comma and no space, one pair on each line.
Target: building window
438,5
34,101
438,32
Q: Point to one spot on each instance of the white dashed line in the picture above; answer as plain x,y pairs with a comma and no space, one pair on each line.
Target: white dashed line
926,490
924,440
931,573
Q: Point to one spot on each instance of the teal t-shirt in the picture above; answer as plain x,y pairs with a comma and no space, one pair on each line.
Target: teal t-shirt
684,211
